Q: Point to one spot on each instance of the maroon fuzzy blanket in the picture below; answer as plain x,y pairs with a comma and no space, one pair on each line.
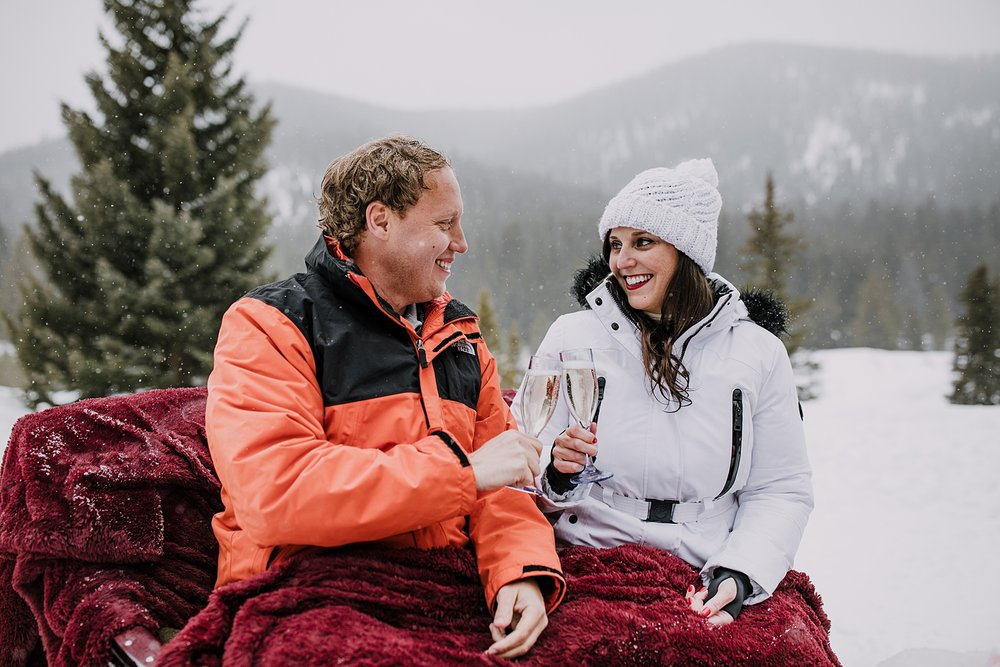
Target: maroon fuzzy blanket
364,606
105,509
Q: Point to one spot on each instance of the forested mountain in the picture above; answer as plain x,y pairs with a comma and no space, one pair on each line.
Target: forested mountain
891,165
830,123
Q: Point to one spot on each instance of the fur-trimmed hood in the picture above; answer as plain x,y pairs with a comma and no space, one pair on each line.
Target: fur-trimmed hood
765,309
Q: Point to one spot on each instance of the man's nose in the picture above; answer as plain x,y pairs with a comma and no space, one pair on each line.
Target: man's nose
458,242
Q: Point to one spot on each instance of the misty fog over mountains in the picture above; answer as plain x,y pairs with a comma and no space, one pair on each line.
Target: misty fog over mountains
891,162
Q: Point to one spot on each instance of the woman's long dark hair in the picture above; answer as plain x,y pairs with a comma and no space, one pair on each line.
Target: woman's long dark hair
688,300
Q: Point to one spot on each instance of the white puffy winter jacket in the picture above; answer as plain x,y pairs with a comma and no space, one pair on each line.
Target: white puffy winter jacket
735,458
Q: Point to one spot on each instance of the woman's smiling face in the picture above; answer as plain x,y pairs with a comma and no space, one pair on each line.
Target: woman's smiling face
644,264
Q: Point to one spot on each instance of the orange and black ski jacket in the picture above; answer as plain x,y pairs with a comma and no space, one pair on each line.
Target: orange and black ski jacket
331,421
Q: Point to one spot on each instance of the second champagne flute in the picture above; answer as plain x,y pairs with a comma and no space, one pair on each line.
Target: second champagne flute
581,397
539,393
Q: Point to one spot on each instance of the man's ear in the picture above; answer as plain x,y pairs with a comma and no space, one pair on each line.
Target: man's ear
377,217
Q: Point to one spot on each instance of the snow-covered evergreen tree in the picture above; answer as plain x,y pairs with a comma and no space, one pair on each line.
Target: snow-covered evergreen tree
877,317
977,344
504,342
771,251
165,229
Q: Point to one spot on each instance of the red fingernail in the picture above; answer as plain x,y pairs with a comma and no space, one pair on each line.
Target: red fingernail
706,612
702,589
690,590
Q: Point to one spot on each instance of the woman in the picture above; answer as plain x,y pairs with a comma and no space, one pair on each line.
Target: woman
700,423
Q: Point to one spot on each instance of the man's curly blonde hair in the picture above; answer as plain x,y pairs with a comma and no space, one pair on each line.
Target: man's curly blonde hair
389,170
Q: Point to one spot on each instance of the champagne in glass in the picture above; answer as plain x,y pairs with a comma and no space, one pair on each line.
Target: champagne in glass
539,394
581,397
581,390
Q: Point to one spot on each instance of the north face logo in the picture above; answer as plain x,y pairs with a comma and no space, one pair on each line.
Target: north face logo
465,346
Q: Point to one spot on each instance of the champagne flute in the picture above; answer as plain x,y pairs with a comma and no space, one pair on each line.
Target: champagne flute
539,393
581,397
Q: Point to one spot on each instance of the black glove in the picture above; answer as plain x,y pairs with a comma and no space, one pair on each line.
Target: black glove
743,589
559,481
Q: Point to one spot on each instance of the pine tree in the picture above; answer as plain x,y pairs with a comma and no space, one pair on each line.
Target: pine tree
770,246
977,344
488,321
771,251
876,320
510,377
5,295
939,317
165,230
504,350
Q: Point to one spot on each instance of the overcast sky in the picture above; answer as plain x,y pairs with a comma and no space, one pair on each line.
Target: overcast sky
468,53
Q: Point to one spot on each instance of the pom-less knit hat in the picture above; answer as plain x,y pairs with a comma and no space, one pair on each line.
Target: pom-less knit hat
680,205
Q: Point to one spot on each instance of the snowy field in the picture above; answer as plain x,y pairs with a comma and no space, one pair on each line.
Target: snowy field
904,539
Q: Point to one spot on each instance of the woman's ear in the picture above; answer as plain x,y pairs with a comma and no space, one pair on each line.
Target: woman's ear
377,217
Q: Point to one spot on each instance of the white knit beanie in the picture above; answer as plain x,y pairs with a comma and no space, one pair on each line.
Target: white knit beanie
680,205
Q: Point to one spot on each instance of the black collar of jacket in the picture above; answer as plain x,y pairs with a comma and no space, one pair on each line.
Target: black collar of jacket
336,270
320,260
764,308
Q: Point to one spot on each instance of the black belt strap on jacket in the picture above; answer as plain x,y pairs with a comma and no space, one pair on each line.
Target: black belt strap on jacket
661,511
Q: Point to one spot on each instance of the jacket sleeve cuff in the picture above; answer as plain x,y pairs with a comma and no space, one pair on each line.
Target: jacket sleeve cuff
550,581
558,481
743,589
455,448
755,592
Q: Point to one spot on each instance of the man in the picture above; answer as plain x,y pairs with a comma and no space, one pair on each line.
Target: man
357,402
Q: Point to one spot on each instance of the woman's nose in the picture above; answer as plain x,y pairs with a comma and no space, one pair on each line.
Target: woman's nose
625,258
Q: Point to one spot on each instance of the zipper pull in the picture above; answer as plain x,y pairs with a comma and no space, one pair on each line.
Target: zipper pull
421,354
601,381
737,410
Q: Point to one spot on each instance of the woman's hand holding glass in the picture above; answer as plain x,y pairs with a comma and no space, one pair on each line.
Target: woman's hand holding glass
572,447
583,397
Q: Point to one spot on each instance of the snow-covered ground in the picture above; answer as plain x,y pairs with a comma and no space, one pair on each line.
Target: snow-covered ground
906,532
11,409
904,540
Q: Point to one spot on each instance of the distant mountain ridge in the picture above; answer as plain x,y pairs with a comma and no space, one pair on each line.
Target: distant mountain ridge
832,125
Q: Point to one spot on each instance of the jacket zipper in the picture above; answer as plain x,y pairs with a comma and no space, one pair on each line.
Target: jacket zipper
715,313
422,360
734,463
421,354
601,382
